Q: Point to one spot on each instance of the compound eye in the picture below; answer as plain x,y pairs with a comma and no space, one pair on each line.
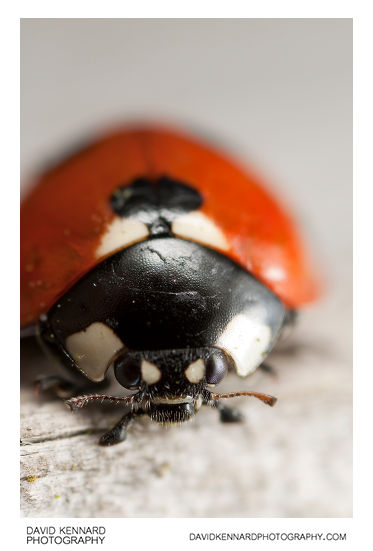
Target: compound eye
216,367
128,371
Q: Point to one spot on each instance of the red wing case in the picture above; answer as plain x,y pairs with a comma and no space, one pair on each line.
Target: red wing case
67,213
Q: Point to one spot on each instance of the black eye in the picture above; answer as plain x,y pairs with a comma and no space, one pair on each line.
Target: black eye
128,371
216,367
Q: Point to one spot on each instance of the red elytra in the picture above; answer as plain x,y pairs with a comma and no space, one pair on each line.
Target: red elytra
65,216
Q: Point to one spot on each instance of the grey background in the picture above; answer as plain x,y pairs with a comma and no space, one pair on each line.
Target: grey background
278,94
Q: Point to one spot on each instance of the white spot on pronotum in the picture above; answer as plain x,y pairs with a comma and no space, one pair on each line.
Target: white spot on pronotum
275,273
93,349
198,227
150,373
121,233
247,341
195,371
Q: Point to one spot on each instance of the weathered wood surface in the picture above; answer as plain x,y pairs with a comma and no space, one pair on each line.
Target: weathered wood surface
290,461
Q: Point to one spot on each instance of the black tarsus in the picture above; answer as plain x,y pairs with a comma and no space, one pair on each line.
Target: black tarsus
118,433
226,414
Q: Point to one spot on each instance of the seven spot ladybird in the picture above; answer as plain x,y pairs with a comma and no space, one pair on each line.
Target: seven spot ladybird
152,253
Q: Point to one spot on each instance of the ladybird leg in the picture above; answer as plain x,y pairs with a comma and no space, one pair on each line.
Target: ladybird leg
226,413
119,432
63,388
268,369
58,385
291,317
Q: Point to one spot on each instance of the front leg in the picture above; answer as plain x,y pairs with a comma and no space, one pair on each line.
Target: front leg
226,413
119,432
268,370
64,388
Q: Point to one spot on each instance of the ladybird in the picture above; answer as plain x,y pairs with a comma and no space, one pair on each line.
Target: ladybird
152,254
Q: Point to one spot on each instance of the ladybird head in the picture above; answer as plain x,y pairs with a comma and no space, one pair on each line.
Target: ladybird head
171,384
